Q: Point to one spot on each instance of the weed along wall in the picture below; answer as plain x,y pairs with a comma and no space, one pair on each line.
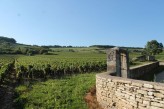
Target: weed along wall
122,92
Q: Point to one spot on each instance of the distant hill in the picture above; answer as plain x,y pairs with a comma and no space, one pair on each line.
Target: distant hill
6,39
9,46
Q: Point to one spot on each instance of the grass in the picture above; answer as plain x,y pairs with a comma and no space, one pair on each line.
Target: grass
134,54
65,93
160,56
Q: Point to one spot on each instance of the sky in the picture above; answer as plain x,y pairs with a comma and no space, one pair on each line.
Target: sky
83,22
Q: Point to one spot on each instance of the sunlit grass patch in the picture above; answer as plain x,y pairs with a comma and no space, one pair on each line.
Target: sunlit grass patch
65,93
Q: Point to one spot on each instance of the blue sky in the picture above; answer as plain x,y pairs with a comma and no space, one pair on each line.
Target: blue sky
83,22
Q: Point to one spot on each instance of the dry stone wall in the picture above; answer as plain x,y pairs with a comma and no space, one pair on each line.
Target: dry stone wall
139,71
122,93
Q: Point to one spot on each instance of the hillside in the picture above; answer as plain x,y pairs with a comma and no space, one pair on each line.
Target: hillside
10,46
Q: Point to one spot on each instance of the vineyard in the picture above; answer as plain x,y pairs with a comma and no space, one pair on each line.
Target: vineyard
53,66
42,67
6,62
65,78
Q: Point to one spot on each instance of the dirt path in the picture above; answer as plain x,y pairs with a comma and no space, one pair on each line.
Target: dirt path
7,90
91,99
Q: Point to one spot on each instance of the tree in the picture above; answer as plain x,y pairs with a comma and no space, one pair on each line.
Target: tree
43,51
152,48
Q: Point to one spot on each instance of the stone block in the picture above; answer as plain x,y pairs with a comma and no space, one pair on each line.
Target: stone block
133,103
127,96
100,82
98,86
110,84
137,84
104,84
146,98
150,93
122,81
148,86
126,92
161,91
138,95
109,100
132,98
129,106
141,107
121,88
153,107
141,104
104,79
149,97
106,89
161,102
159,95
147,89
104,93
105,99
139,100
118,90
157,98
158,87
117,93
146,103
128,85
109,80
142,92
156,104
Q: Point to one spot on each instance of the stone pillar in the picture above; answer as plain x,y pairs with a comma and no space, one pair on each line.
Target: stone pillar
124,64
118,62
111,61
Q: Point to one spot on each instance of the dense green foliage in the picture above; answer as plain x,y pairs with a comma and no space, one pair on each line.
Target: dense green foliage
65,93
62,63
153,47
5,65
41,66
